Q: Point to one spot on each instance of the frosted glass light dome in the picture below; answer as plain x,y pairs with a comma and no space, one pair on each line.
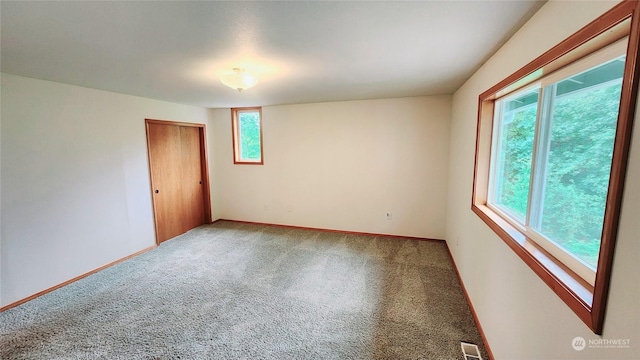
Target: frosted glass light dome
239,80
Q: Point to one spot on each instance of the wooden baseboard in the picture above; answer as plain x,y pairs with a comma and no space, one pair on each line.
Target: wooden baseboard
328,230
473,311
28,298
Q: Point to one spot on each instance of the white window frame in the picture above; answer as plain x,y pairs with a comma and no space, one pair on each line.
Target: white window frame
541,143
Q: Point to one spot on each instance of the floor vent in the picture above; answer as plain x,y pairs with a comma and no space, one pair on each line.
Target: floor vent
470,351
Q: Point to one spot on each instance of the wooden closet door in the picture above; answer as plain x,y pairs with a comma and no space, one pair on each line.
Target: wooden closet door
165,155
177,161
191,182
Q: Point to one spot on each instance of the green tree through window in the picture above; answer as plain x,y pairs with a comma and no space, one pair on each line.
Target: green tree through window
247,135
249,123
575,149
582,137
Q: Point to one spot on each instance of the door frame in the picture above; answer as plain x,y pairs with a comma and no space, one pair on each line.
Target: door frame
204,167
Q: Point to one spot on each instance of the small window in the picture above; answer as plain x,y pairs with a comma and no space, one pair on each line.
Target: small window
551,155
247,135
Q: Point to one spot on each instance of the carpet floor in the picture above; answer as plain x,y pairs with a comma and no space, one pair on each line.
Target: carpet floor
240,291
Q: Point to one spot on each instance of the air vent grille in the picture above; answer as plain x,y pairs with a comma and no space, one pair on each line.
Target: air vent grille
470,351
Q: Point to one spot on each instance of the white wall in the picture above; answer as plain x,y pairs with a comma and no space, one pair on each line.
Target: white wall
75,180
342,165
521,316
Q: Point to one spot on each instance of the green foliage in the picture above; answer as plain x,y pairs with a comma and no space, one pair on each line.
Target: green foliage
515,156
583,133
577,174
249,123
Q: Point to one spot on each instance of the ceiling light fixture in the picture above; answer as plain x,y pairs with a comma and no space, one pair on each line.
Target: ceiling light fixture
239,80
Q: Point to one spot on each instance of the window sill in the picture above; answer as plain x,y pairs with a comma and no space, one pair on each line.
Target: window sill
248,162
573,290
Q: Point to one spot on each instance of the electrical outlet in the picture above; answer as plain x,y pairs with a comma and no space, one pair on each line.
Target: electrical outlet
389,215
289,208
266,208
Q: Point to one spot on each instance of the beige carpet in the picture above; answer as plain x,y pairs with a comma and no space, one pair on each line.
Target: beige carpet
239,291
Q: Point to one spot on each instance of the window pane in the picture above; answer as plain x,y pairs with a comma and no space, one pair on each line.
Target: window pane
513,158
583,127
249,127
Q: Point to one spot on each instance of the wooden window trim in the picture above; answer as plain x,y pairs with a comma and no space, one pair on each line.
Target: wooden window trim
587,302
234,136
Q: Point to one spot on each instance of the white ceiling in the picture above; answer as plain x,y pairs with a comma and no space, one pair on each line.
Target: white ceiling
301,51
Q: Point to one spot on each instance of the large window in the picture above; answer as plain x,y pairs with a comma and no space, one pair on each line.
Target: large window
551,157
247,135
